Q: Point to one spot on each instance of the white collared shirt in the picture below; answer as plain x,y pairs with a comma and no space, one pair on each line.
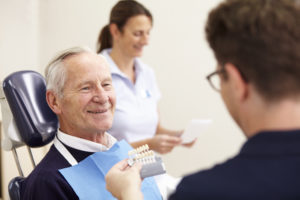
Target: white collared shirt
136,115
85,145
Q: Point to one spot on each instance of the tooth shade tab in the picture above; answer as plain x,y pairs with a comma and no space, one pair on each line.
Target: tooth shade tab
151,164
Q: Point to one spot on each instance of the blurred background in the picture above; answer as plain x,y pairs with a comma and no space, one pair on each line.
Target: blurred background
32,31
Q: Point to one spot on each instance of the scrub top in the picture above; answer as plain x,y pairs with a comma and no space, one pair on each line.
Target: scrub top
136,115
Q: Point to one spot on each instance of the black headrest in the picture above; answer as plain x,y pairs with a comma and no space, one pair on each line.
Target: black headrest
25,92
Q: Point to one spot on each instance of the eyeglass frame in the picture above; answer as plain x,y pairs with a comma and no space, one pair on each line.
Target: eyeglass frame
222,71
216,72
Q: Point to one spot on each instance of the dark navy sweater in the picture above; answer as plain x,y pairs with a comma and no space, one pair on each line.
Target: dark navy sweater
267,167
45,182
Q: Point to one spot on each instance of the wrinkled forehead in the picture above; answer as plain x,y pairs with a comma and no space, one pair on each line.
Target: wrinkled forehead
87,66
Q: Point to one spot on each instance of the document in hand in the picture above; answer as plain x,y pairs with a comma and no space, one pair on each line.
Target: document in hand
194,129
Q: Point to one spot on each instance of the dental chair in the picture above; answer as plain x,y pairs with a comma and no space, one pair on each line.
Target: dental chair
27,119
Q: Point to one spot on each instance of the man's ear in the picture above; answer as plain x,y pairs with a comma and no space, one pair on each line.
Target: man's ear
53,102
114,30
238,84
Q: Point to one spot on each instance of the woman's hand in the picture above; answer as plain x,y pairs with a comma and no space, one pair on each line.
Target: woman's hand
190,144
163,143
124,182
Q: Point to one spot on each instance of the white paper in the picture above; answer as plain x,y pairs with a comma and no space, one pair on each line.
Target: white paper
194,129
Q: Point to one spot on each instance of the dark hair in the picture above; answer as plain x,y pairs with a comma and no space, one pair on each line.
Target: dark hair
262,39
119,15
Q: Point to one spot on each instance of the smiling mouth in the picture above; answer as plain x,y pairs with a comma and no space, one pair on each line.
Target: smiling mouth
98,111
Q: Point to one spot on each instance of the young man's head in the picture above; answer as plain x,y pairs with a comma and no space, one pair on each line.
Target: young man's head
257,47
261,38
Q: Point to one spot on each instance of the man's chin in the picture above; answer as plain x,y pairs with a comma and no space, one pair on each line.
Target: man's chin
104,126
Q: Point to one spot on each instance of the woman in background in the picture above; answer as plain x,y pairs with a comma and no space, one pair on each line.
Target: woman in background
136,116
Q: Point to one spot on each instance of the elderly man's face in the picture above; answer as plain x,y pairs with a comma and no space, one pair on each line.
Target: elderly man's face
88,101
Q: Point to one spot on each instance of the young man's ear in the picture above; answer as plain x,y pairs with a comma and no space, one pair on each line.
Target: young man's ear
238,84
114,30
53,102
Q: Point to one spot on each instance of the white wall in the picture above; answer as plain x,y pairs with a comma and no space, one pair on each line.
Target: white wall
19,39
35,30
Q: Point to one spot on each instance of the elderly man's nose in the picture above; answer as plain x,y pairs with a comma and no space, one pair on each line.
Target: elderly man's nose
100,98
100,95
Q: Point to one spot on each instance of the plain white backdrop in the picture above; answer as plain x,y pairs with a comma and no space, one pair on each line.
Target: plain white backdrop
32,31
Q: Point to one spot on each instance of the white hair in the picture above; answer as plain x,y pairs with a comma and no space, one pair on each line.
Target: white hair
56,73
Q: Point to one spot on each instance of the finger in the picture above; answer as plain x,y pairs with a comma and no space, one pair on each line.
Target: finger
172,139
171,142
175,140
138,166
166,150
190,144
122,165
168,145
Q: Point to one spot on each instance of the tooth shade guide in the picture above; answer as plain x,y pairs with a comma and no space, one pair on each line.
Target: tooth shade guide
139,150
152,165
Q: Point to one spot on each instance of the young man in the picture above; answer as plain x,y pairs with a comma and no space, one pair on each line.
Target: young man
257,47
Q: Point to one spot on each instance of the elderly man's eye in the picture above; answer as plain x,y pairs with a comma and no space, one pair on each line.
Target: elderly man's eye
85,88
107,86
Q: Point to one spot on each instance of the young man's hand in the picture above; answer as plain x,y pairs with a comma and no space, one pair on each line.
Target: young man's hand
124,182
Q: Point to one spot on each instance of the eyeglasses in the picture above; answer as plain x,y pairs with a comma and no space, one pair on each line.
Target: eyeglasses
215,81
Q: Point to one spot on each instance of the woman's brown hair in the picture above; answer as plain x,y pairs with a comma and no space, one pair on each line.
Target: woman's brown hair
119,15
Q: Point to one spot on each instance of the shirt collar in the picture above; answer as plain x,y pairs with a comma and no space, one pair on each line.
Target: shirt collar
273,143
83,144
114,69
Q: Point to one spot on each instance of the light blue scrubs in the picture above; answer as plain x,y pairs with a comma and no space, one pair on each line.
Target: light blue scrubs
136,115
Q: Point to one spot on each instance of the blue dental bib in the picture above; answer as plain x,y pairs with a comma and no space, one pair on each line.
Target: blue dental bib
87,178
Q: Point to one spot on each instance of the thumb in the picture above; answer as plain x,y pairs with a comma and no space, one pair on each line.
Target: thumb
121,165
137,166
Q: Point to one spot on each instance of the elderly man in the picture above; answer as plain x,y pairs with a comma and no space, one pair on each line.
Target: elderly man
257,47
80,93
